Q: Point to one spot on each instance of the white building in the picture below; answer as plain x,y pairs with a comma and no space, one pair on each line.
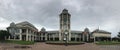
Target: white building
28,32
22,31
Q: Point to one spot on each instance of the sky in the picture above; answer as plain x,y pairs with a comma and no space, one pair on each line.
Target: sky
93,14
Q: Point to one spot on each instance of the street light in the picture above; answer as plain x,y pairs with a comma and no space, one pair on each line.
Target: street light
66,38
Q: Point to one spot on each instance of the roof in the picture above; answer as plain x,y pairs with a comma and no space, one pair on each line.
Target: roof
25,24
101,31
74,31
57,31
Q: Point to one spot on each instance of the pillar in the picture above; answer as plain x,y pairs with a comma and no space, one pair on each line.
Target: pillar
87,37
26,34
49,37
69,35
83,37
20,35
53,37
45,37
30,38
75,38
94,39
80,37
9,38
59,36
14,37
41,36
34,35
33,38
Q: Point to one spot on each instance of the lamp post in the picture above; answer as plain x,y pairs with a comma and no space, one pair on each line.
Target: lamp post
66,38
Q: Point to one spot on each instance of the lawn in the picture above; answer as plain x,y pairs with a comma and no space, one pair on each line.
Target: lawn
107,43
63,42
18,42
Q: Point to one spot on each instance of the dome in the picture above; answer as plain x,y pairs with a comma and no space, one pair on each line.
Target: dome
12,24
43,29
86,30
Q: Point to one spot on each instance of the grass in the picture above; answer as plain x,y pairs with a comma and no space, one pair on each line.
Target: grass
18,42
63,42
107,43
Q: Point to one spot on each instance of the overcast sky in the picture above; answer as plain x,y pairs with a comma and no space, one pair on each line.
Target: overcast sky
102,14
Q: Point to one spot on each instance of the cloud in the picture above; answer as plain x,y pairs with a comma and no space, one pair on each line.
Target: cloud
45,13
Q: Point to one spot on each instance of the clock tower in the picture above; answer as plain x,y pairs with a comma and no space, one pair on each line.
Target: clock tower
65,33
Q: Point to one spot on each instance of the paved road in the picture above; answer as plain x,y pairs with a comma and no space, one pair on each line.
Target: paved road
43,46
110,47
87,46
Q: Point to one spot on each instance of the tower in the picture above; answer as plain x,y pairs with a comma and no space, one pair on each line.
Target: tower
65,25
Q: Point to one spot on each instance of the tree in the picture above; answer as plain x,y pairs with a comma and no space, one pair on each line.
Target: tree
118,36
3,34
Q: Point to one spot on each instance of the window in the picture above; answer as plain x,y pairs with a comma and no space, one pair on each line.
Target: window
23,30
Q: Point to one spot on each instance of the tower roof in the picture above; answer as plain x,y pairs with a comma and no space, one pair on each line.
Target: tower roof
65,11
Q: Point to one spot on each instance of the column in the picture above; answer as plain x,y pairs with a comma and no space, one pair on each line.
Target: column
26,34
14,37
69,35
59,36
9,38
80,38
45,37
75,38
41,36
87,37
49,37
94,39
20,37
53,37
33,38
30,38
20,34
34,35
83,37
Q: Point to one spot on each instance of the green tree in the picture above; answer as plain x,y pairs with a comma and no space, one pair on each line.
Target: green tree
3,34
118,36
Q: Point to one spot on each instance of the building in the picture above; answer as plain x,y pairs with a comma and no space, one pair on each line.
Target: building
26,31
22,31
101,35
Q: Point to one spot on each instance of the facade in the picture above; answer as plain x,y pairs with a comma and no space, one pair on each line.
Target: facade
26,31
65,32
22,31
101,35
